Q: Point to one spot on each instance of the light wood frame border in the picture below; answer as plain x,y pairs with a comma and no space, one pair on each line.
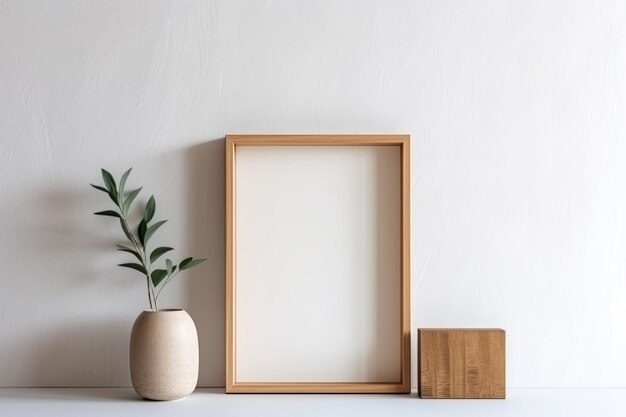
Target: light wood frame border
232,142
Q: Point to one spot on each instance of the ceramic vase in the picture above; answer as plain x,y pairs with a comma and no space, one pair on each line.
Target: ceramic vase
164,355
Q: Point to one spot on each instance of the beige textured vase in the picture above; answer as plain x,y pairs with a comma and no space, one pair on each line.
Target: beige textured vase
164,355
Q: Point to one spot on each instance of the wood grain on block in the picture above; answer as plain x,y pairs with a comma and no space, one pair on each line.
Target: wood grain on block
461,363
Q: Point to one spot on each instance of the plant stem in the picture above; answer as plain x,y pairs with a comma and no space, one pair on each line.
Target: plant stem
141,250
155,298
149,298
165,283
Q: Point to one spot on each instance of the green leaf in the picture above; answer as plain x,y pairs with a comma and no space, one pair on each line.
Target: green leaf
109,182
125,229
97,187
157,276
136,267
169,266
108,213
156,254
150,231
129,250
190,263
123,181
141,231
150,208
185,262
129,200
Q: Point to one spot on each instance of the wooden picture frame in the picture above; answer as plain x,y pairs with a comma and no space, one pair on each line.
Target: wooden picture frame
274,346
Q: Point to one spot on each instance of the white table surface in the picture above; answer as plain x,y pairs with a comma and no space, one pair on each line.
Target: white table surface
119,402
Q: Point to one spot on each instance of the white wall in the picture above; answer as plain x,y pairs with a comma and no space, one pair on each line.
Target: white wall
516,109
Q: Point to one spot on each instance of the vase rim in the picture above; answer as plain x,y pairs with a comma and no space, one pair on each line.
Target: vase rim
164,310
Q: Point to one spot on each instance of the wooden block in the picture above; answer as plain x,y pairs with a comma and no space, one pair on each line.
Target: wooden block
461,363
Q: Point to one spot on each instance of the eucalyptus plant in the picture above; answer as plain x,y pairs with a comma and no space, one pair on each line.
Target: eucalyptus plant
138,237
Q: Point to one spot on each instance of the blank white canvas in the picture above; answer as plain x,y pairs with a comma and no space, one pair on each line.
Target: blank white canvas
318,264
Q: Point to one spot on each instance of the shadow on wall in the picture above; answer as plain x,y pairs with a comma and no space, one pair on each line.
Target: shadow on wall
66,355
63,345
56,344
65,233
205,295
